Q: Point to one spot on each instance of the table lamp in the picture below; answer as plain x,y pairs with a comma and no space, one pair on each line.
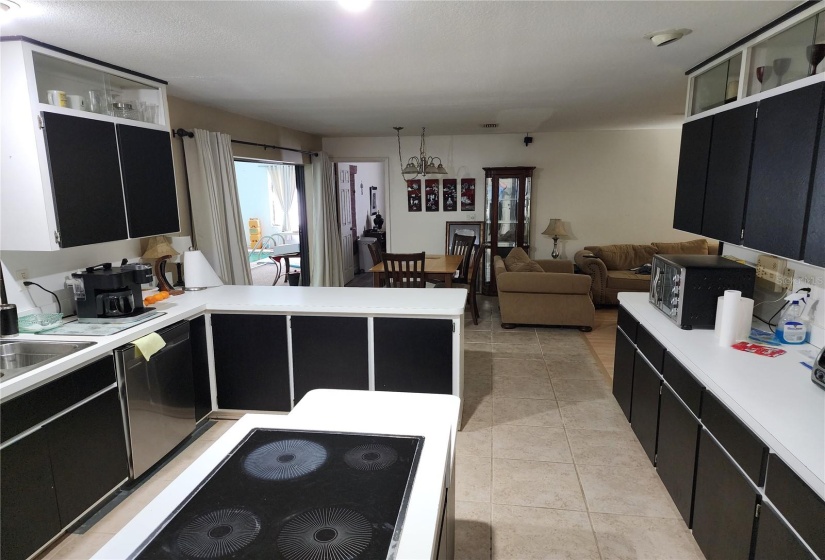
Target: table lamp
161,250
556,229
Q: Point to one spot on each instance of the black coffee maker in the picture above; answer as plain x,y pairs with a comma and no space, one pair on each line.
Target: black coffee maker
110,294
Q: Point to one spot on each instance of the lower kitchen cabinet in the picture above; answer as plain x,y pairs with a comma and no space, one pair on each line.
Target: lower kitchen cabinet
329,353
724,506
413,355
251,362
28,505
200,367
676,451
775,539
87,447
623,371
644,418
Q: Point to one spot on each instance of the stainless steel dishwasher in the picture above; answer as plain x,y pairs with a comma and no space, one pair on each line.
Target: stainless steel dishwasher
157,396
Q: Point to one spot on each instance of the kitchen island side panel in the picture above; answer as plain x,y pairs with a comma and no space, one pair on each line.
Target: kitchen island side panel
413,355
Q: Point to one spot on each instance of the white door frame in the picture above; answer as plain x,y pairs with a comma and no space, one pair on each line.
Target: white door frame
387,191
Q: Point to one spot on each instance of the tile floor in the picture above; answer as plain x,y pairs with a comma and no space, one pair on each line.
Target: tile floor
547,466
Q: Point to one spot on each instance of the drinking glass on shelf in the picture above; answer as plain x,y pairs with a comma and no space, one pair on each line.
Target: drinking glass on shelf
780,67
150,113
763,74
815,54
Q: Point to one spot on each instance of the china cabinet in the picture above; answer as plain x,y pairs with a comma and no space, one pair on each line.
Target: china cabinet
506,215
87,151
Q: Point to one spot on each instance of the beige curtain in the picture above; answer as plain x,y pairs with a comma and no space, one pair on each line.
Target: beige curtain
217,225
326,260
282,188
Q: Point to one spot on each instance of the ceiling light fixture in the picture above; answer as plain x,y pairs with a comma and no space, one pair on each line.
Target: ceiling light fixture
355,5
421,165
7,6
668,36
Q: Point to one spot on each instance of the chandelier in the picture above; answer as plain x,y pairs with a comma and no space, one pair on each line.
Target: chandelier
422,164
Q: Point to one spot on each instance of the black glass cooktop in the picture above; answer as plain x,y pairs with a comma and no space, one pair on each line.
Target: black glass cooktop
296,495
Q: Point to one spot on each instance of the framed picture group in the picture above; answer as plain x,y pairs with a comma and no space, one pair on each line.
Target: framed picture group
453,198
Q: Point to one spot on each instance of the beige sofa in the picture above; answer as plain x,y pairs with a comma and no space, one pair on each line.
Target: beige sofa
544,292
610,265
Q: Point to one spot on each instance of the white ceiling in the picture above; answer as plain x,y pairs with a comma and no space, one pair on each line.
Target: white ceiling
450,66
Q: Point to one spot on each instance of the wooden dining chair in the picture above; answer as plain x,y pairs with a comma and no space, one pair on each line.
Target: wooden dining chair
404,270
472,274
463,245
377,257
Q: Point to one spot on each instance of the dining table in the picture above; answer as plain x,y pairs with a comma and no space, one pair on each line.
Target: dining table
436,267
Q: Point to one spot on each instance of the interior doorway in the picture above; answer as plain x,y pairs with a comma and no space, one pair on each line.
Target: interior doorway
273,210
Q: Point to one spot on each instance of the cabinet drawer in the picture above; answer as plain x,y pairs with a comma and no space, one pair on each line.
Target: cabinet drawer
628,323
803,509
37,405
650,348
774,539
683,384
738,440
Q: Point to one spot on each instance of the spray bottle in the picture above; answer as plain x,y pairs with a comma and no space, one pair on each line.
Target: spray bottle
792,327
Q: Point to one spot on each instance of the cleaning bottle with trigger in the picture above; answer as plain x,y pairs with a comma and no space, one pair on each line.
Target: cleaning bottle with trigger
792,327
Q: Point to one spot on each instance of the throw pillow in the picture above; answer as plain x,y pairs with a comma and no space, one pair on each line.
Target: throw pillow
516,256
695,247
529,266
625,257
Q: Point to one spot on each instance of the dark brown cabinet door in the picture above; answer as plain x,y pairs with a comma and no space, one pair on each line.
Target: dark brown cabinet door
85,176
724,506
329,353
783,159
88,453
728,165
148,180
644,416
676,451
692,176
28,505
623,372
251,362
815,241
413,355
775,539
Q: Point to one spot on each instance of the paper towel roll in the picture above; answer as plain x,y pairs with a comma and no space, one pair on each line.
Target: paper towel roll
744,318
197,273
730,312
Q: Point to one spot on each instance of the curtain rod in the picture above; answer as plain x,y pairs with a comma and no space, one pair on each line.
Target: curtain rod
180,132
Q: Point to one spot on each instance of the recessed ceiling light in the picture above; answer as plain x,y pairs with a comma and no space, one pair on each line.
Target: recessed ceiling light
662,38
8,6
349,5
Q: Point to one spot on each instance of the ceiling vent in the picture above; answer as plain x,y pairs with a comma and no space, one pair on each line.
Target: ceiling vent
490,125
666,37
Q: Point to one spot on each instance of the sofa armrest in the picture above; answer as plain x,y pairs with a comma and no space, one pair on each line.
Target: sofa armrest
593,266
543,283
555,265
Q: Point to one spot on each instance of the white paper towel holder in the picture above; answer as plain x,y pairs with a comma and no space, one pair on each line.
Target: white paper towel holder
197,273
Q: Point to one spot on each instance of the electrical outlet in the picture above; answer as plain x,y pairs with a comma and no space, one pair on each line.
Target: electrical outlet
787,281
22,274
773,270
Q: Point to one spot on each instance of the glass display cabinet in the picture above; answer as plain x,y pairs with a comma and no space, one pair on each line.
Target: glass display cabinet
788,56
506,215
717,86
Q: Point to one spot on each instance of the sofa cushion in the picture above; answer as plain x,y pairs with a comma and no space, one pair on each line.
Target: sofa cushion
516,256
628,281
695,247
624,257
529,266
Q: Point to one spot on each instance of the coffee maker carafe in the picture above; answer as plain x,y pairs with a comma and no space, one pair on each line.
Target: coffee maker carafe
110,294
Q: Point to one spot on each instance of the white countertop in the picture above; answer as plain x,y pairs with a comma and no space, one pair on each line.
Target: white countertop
774,397
331,411
293,300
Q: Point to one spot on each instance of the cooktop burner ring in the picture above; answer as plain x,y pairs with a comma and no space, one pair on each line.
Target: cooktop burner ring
371,457
285,459
329,533
219,533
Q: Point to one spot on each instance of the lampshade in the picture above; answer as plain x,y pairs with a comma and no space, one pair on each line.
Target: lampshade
411,168
197,272
440,170
555,228
159,246
430,168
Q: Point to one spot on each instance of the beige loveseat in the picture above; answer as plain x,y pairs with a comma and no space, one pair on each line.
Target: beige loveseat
610,265
544,292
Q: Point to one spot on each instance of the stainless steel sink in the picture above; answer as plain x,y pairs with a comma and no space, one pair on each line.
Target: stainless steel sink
19,356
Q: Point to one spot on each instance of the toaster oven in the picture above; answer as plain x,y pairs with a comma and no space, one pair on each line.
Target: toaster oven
686,287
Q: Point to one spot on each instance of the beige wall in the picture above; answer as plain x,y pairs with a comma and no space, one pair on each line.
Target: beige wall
609,186
189,115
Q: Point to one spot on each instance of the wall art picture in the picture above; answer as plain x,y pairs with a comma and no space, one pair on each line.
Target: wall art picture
450,195
414,195
468,195
431,192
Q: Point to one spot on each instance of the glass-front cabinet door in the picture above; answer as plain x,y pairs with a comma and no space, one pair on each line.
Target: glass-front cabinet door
506,214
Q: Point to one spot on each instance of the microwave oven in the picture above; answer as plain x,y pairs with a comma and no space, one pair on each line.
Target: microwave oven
686,287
